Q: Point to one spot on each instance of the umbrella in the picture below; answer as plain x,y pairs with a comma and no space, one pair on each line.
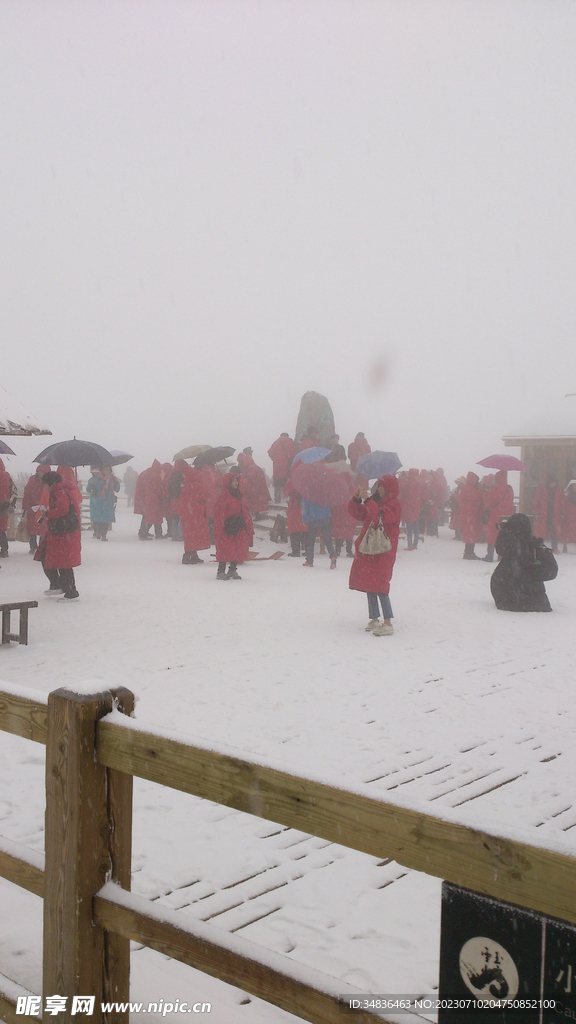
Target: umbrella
191,452
5,450
377,464
118,457
213,455
311,455
319,483
501,462
74,453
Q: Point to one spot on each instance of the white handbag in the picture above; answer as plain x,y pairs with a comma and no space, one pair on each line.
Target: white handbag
375,541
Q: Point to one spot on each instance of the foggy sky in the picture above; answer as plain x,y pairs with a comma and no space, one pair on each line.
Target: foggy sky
209,208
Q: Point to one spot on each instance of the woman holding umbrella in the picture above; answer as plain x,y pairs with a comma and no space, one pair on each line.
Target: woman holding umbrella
60,550
372,573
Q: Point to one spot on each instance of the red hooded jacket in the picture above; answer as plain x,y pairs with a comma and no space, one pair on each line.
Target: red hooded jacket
61,551
294,522
32,496
191,507
541,528
411,497
470,504
372,573
6,491
253,484
235,547
498,501
357,448
282,452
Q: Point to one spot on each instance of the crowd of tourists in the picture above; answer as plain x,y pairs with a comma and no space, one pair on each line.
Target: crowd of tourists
217,504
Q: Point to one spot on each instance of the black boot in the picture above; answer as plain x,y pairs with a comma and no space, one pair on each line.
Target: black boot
187,558
469,552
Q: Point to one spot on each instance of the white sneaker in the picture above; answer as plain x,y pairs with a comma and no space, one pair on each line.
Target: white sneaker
54,593
372,625
68,600
383,630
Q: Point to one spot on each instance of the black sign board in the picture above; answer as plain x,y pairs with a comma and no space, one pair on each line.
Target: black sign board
491,950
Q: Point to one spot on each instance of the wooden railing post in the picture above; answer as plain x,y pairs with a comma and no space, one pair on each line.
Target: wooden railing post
88,841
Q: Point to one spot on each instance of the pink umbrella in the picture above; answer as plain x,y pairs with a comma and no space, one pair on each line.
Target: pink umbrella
319,483
501,462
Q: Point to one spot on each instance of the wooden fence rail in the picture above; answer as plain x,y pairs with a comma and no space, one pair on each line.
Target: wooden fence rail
90,915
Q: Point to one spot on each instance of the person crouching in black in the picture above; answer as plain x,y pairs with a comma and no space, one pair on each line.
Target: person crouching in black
517,583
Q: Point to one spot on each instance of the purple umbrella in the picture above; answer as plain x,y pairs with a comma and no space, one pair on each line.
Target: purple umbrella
5,450
501,462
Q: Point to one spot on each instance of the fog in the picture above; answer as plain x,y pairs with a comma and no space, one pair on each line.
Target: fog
211,208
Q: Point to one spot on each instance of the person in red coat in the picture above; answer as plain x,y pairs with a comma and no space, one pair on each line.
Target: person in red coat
33,496
569,518
411,502
212,481
151,497
372,573
311,439
443,489
357,448
253,483
470,507
296,528
343,525
549,512
281,452
7,495
233,528
498,501
191,507
60,553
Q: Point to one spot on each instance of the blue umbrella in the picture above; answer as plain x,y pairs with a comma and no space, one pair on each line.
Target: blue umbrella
311,455
377,464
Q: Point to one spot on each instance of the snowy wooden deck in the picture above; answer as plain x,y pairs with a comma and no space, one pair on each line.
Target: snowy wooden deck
465,710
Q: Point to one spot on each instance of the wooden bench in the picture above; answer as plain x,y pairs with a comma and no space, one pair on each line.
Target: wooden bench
22,607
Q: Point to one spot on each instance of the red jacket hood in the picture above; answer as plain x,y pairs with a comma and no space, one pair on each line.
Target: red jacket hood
391,485
413,474
472,479
228,478
180,465
2,466
502,476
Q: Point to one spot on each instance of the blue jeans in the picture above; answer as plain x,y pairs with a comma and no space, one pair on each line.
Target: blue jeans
373,609
325,527
412,534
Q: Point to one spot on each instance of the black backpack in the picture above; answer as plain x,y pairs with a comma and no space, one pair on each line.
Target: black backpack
541,564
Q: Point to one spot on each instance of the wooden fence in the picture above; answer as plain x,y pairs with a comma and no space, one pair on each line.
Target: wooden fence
90,915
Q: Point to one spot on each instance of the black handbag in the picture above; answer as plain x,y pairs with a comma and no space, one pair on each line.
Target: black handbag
234,525
65,524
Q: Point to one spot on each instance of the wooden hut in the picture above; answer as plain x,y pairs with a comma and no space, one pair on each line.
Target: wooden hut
546,455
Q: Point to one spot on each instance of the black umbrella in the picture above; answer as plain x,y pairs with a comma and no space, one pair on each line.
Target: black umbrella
212,456
5,450
74,453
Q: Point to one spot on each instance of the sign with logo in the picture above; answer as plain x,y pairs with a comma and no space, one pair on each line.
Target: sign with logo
492,951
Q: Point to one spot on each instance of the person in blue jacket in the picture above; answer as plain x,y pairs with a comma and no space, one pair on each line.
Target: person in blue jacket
317,517
102,488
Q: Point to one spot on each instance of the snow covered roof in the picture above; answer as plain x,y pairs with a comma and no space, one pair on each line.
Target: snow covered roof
14,419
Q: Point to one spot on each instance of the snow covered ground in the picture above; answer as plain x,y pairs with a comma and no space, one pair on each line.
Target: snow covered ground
465,708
